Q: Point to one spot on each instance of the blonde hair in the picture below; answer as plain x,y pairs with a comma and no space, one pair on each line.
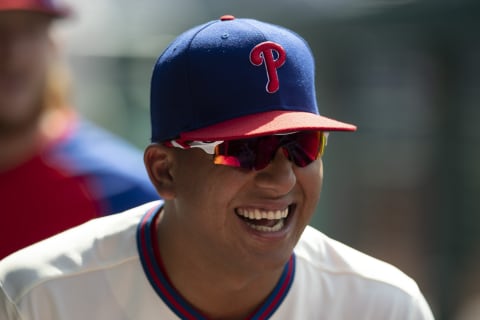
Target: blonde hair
58,84
56,109
57,93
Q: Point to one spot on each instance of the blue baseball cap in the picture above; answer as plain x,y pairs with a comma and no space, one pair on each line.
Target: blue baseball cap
235,78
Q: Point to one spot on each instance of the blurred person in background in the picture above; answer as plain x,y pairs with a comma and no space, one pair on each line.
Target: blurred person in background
57,170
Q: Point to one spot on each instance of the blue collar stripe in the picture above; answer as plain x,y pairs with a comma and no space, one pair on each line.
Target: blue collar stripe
278,294
154,273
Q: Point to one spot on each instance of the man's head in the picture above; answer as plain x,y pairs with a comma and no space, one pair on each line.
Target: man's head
25,59
237,140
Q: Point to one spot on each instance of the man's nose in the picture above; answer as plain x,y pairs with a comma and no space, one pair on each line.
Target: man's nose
278,176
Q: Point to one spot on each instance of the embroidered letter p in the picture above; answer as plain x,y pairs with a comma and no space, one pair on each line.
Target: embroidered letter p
264,53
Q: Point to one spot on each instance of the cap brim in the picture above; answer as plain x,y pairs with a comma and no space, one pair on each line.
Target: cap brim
271,122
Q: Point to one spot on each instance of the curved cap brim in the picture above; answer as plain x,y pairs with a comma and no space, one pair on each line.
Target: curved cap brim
271,122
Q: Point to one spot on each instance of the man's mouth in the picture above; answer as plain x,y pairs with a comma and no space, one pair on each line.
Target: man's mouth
264,220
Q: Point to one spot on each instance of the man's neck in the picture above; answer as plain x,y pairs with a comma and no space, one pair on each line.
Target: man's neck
224,294
17,147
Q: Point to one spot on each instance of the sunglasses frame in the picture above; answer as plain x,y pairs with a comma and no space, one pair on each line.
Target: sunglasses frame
212,148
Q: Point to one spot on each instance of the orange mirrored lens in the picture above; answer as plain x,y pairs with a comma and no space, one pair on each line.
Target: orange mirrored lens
302,148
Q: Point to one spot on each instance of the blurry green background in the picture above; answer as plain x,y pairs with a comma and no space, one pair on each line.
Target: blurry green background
405,187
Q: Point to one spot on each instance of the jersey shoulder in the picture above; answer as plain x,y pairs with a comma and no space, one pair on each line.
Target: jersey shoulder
95,245
340,282
334,258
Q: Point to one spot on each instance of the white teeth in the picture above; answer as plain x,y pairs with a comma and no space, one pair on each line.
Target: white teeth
257,214
275,228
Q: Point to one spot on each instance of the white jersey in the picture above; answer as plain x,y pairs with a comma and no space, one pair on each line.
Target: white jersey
107,269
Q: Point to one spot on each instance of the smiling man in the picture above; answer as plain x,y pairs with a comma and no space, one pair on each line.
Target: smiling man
236,156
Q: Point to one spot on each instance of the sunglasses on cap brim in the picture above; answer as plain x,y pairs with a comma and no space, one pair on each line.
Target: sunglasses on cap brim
301,148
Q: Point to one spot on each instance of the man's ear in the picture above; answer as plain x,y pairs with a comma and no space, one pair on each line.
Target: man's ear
158,161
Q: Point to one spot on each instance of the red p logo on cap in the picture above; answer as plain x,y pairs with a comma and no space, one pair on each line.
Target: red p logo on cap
264,53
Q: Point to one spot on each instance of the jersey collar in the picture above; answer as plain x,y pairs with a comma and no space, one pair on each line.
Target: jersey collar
155,272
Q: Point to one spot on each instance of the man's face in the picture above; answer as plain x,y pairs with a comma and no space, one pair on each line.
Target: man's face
212,203
24,53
